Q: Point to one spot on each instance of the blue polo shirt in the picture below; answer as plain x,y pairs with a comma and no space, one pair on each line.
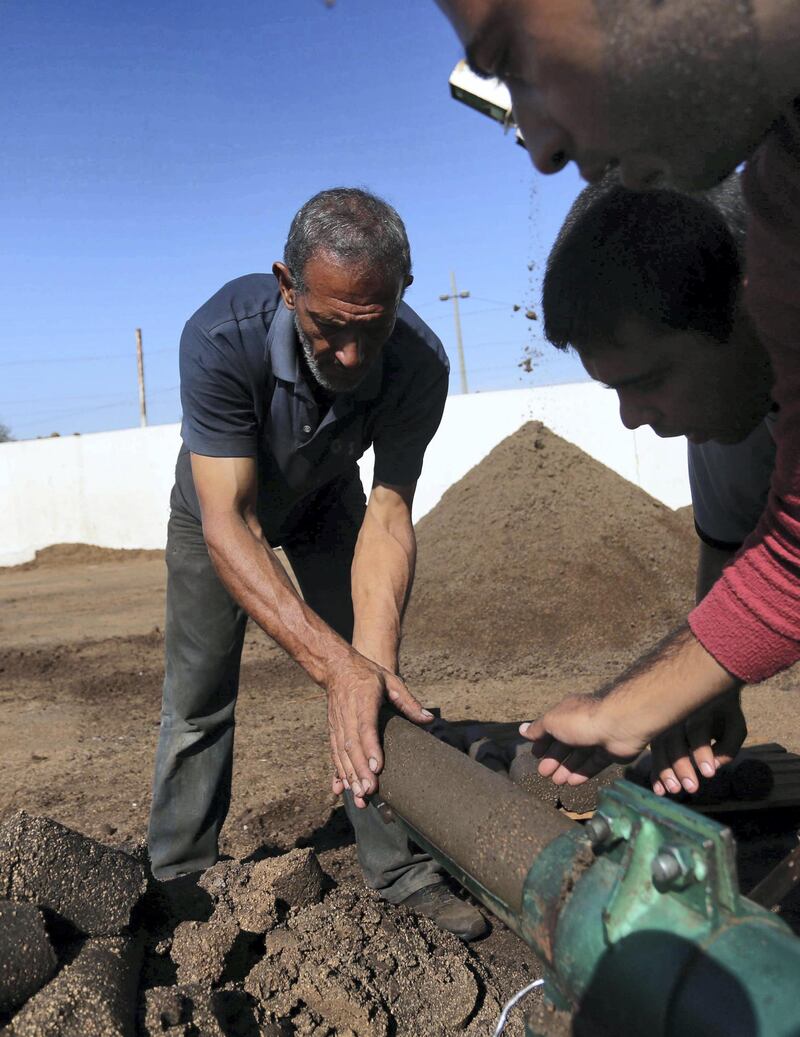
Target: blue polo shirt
245,394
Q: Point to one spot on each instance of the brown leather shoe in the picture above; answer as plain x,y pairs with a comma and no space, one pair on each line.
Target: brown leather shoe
448,911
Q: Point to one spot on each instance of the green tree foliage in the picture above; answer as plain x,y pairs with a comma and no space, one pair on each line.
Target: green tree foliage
5,433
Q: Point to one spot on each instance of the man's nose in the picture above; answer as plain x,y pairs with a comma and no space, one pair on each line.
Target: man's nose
634,415
549,146
349,353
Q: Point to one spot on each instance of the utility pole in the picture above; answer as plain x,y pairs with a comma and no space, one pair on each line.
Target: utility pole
455,295
140,369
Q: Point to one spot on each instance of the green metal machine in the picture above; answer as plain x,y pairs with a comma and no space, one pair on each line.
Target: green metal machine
636,915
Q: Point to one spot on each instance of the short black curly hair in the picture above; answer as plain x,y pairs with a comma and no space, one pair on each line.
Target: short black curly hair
664,257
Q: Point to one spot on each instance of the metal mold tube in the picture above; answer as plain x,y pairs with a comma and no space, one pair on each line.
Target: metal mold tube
487,830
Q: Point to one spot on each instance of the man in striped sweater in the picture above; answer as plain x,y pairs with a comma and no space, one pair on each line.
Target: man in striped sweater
677,92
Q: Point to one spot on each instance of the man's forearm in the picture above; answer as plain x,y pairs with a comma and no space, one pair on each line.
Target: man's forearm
678,677
383,572
254,576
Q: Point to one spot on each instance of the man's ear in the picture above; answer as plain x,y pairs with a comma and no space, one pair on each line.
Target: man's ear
285,283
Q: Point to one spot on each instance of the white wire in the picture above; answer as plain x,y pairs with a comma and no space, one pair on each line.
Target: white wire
501,1022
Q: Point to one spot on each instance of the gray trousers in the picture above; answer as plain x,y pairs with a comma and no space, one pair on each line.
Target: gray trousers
203,640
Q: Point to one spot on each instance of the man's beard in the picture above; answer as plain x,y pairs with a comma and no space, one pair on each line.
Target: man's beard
334,379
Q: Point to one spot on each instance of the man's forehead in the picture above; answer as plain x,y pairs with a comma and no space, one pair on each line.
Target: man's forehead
336,286
328,310
636,351
613,363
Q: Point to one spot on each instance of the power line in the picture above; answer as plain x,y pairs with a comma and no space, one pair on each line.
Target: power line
78,359
474,313
49,399
59,415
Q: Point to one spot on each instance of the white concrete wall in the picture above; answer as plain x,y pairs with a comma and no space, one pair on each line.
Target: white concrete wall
112,488
109,488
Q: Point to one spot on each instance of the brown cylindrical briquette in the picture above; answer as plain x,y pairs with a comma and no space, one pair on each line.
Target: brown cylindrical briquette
92,887
27,959
93,995
478,818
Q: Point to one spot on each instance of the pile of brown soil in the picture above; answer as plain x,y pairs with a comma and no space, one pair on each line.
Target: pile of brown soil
541,559
87,554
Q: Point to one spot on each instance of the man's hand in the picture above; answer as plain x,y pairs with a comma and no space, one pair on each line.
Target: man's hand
705,741
382,574
576,740
676,679
356,693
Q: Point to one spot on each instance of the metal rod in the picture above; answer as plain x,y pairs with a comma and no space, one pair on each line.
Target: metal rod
779,882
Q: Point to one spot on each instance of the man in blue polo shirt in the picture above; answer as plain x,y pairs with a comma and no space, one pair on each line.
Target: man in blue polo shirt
286,379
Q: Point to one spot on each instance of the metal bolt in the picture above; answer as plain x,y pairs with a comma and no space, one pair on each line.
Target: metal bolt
598,829
669,867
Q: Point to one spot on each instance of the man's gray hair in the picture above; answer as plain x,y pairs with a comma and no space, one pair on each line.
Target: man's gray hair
350,226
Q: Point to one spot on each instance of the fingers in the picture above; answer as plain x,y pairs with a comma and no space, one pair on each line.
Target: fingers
352,763
698,737
563,764
579,766
353,709
730,741
672,768
404,702
662,777
552,758
536,732
338,781
531,729
362,780
366,731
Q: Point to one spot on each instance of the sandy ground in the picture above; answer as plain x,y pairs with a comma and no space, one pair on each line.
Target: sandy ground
80,686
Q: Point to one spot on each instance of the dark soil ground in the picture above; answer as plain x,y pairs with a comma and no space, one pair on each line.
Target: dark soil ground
539,574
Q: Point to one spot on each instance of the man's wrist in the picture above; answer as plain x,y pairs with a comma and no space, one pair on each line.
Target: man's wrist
664,689
342,656
382,654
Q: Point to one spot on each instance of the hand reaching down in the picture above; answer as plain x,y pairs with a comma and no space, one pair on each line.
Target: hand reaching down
356,693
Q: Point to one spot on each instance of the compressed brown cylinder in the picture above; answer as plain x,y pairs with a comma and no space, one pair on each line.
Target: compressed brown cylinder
27,959
94,996
491,829
524,771
92,887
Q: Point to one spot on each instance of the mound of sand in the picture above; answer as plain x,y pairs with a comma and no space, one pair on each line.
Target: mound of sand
542,559
57,555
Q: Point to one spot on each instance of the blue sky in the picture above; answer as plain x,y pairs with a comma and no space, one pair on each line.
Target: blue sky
154,150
